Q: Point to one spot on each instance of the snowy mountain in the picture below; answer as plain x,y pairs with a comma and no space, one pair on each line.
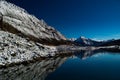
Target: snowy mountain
72,39
82,41
23,37
18,21
87,42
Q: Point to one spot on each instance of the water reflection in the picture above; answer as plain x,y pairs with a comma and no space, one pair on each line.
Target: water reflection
84,54
98,65
87,53
35,71
40,70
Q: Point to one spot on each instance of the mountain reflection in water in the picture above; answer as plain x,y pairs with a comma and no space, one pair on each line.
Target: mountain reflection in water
41,69
33,71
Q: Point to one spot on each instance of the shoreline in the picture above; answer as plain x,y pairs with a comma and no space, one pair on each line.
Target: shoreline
70,50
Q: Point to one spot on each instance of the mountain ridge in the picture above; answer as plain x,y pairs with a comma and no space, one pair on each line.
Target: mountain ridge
82,41
86,41
18,21
25,38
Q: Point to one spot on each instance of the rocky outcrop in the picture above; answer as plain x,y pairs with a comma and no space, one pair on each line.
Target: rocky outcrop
18,21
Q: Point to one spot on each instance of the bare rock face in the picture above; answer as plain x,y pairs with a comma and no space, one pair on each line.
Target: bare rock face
16,20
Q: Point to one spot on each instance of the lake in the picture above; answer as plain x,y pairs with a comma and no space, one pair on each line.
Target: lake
84,65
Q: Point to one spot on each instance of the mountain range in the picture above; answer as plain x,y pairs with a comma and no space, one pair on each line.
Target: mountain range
82,41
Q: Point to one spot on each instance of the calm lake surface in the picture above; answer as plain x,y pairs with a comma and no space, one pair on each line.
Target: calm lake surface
84,65
89,66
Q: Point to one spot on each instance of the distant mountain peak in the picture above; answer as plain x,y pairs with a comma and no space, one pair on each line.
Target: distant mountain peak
72,39
83,37
86,41
83,41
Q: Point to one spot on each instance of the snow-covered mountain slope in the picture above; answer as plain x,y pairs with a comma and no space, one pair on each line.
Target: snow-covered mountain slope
87,42
15,49
23,37
18,21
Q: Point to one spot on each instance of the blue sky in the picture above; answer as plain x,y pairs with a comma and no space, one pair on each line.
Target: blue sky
97,19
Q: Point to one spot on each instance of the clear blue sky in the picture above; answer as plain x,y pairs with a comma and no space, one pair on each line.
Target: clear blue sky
98,19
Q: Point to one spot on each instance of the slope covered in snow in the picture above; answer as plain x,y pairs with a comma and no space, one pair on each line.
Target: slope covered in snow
18,21
23,37
14,49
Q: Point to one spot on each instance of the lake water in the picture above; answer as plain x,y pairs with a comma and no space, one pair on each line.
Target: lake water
84,65
89,66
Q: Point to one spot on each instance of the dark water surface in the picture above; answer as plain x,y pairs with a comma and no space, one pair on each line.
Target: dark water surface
89,66
84,65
